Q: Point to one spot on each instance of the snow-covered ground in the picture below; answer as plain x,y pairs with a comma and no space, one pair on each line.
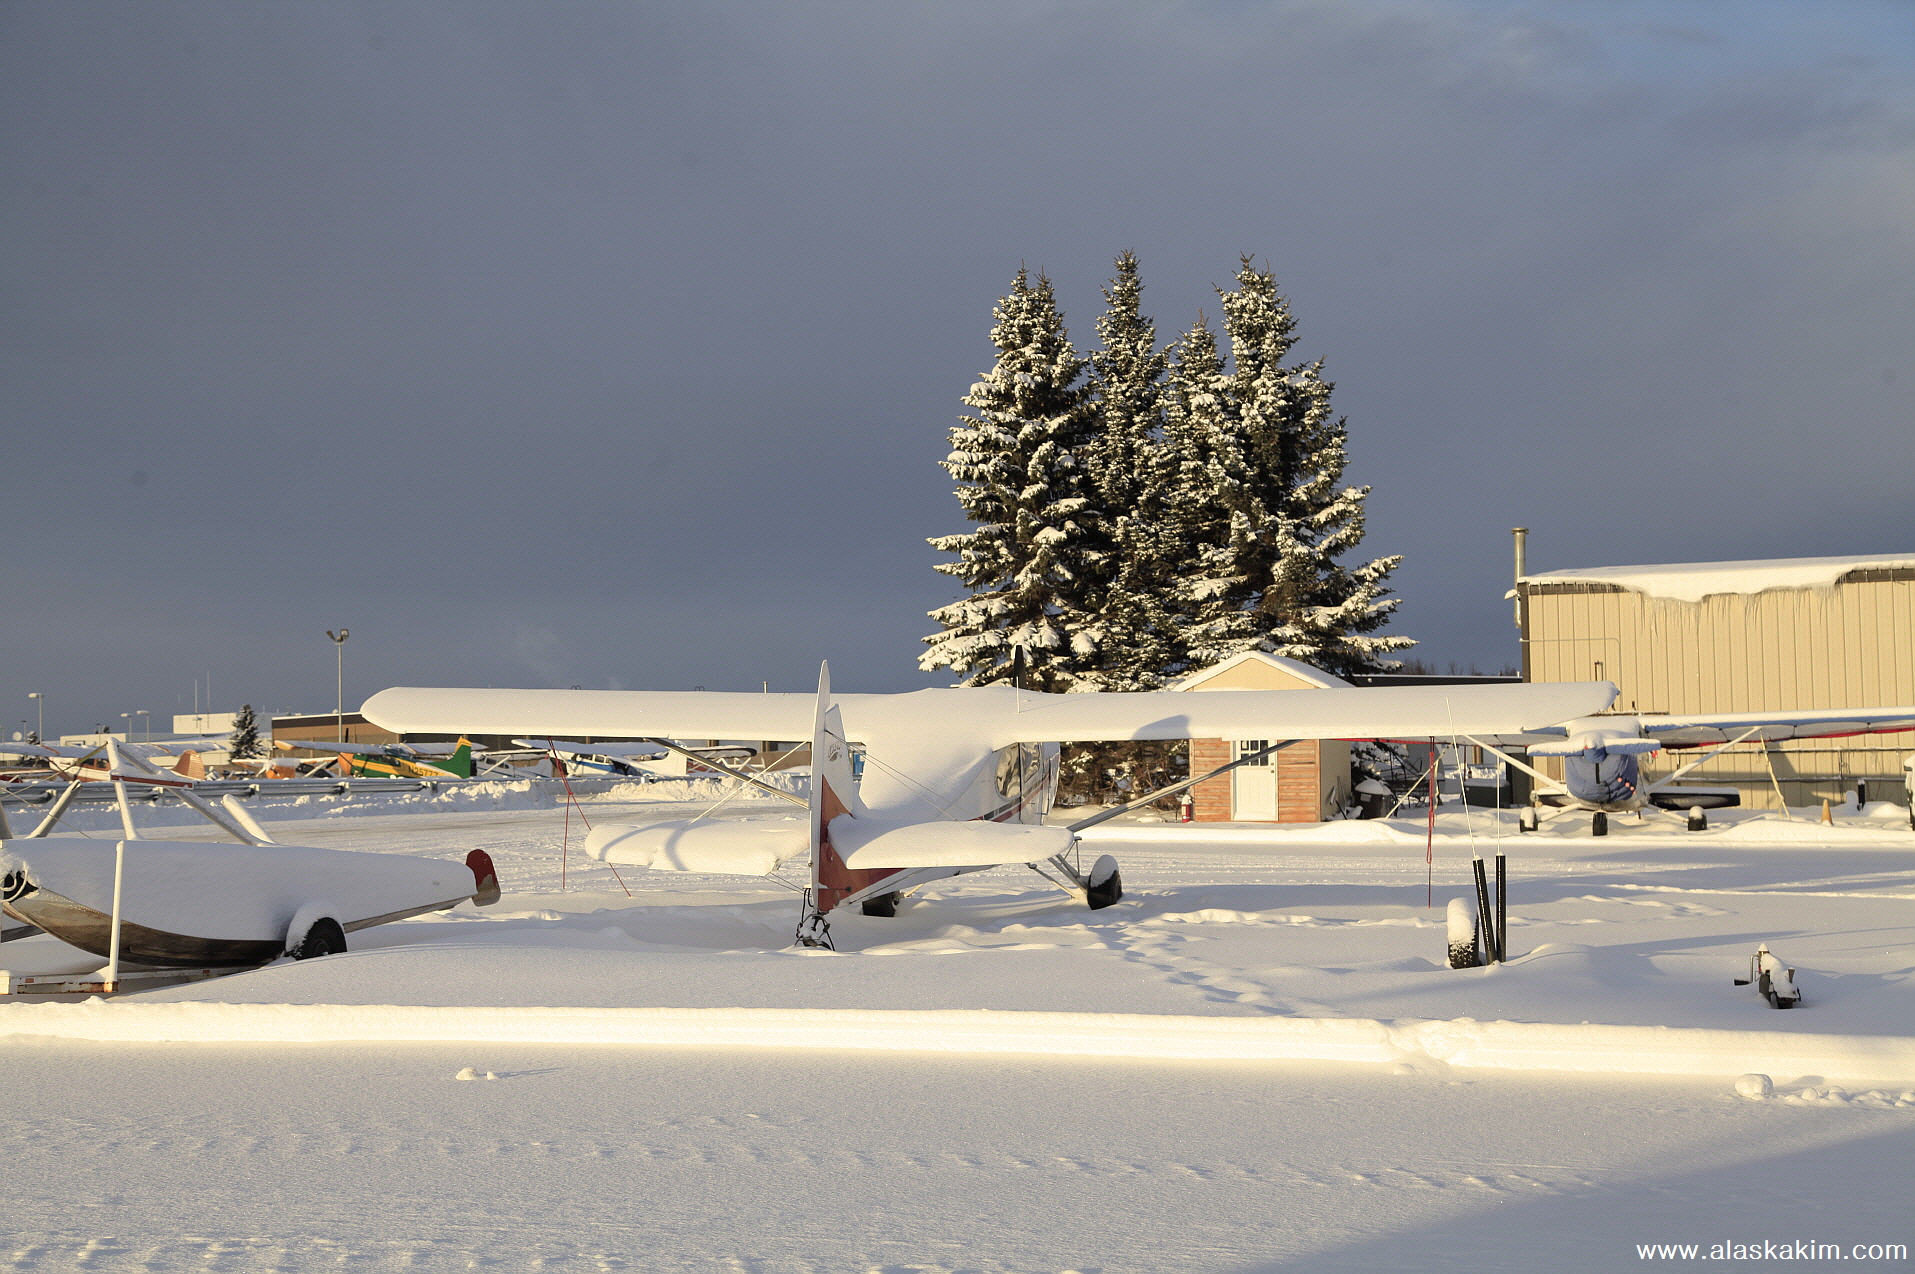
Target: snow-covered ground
1257,1061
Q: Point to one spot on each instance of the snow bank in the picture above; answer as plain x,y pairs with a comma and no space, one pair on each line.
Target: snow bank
1639,1050
1693,581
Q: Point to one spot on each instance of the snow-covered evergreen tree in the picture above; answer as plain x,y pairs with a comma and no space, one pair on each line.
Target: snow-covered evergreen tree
243,744
1032,562
1134,634
1256,503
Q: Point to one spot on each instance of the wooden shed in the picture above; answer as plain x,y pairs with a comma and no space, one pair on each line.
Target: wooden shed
1304,782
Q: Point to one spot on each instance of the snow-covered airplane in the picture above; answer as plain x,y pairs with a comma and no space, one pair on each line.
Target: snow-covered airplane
89,761
617,759
187,904
1602,755
393,760
953,781
620,760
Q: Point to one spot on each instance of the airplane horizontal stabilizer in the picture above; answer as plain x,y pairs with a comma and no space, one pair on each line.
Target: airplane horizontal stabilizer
869,842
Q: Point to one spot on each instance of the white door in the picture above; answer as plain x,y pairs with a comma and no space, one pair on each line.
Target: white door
1254,786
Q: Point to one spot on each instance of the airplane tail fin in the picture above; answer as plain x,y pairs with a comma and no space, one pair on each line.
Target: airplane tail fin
832,796
460,762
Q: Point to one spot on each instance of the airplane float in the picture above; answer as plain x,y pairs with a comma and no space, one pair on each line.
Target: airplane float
189,904
1602,755
953,781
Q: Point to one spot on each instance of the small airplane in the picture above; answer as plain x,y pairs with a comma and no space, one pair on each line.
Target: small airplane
619,760
952,781
393,760
73,760
189,904
1602,755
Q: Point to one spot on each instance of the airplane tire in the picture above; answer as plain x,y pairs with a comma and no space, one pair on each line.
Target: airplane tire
323,938
1106,884
1698,820
1599,824
884,905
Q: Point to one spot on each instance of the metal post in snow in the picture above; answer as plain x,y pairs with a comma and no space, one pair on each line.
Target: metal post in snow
1486,916
1502,910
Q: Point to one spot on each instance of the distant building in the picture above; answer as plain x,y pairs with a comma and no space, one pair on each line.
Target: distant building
1306,781
1792,633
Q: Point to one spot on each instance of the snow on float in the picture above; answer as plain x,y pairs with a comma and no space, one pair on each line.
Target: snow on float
197,905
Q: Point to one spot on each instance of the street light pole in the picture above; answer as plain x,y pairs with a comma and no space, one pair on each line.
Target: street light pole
146,727
339,678
40,700
128,718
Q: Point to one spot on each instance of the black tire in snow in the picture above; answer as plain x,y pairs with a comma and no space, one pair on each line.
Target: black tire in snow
323,938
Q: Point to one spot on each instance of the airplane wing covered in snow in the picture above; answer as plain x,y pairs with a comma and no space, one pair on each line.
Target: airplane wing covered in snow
997,716
1396,712
1707,729
1702,729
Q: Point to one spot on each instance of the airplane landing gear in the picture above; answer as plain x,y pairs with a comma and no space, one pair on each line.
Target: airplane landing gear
1529,820
323,937
884,905
1106,884
1599,824
813,929
1698,821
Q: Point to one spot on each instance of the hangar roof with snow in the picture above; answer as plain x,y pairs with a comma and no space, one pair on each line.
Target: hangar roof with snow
1693,581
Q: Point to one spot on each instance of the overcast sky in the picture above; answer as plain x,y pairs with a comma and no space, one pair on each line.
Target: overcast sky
616,344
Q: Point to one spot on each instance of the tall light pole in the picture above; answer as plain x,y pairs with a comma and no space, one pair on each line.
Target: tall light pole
339,678
146,727
128,718
40,735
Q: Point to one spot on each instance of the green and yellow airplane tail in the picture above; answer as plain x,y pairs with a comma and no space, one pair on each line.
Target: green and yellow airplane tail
458,765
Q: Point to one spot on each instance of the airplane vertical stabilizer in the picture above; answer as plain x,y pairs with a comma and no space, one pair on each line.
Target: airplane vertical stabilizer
833,795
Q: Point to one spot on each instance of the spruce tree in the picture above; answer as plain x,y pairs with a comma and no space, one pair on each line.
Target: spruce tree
1134,633
1032,562
1258,457
243,744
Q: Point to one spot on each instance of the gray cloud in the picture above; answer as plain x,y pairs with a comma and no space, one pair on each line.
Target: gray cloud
638,330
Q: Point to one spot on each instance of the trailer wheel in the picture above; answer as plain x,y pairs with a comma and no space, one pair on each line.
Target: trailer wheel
323,937
884,905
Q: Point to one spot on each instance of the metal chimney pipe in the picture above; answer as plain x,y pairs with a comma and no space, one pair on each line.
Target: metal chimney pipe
1521,533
